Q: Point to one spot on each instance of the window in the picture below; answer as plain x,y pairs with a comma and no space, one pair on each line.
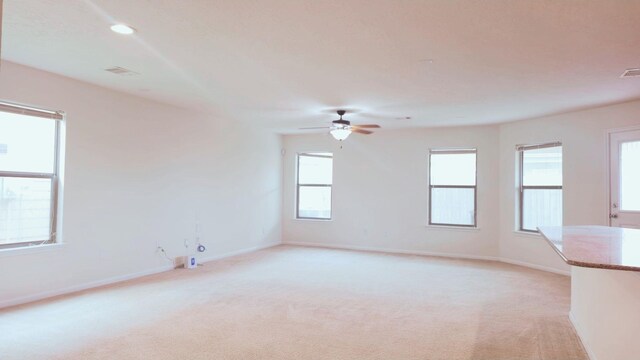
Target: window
452,187
28,175
629,176
540,186
315,174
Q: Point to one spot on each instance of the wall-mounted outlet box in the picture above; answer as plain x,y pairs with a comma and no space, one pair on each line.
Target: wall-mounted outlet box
190,262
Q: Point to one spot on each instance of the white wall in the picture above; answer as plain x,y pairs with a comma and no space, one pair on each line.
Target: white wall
604,311
380,186
138,173
585,174
380,192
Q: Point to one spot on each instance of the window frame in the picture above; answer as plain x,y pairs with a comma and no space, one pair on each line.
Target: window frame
58,117
474,187
299,185
521,187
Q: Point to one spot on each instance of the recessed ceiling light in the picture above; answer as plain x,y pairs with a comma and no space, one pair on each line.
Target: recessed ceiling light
122,29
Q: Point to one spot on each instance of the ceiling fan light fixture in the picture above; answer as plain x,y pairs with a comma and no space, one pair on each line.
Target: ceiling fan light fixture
340,133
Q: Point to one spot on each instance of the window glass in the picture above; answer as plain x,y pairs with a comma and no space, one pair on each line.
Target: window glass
27,143
315,202
541,207
542,167
28,177
541,191
315,170
315,173
25,209
630,176
453,206
452,187
453,169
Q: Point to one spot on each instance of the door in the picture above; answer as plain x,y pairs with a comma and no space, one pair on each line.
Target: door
624,209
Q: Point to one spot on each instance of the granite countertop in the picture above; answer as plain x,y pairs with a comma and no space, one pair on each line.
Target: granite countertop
596,246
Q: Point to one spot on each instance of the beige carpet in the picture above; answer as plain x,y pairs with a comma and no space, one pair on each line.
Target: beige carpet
307,303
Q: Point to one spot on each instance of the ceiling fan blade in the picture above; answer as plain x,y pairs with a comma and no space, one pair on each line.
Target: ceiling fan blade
367,126
361,131
317,127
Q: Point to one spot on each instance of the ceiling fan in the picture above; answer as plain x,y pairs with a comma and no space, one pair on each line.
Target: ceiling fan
341,129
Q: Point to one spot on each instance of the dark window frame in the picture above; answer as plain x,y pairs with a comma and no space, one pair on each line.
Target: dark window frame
54,177
299,185
474,187
521,187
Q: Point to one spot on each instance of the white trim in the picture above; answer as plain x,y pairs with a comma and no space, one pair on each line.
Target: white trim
607,152
28,250
535,266
623,129
120,278
117,279
430,253
238,252
311,219
85,286
616,136
525,147
607,173
28,110
452,227
580,333
527,233
393,251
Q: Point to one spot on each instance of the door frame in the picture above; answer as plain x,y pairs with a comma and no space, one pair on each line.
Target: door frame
609,133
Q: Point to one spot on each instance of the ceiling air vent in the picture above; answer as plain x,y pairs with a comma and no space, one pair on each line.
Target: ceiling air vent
631,73
121,71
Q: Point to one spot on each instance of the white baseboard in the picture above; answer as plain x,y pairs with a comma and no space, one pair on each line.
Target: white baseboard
237,252
580,333
534,266
117,279
71,289
393,251
430,253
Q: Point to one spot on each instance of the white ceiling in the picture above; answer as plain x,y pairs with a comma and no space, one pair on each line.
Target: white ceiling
285,64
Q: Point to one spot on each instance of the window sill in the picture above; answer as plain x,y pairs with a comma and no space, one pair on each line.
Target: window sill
318,220
30,249
451,227
527,234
